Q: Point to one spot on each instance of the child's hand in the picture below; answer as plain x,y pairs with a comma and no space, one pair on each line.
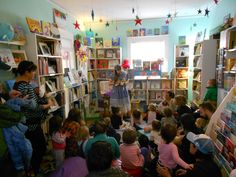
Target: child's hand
189,167
180,172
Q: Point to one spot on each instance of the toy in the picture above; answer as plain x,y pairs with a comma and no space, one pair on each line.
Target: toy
6,32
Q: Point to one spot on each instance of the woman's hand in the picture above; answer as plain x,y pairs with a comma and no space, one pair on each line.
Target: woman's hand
163,171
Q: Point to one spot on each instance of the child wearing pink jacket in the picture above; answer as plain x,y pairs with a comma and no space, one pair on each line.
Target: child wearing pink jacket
168,151
130,153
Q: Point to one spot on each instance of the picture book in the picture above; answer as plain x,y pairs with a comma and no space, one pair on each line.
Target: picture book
149,32
101,53
155,65
164,30
102,64
99,42
156,31
181,62
135,33
7,57
109,53
182,84
137,84
166,84
107,43
146,65
182,40
87,41
182,73
142,32
34,25
115,41
112,63
46,28
129,33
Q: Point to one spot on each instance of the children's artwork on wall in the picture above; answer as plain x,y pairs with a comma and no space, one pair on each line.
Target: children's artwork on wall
19,55
7,57
46,28
34,25
99,42
116,42
146,65
142,32
156,31
164,30
54,30
182,40
19,33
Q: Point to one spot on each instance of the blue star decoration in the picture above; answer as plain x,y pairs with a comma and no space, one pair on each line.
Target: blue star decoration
207,12
169,15
199,11
195,24
107,24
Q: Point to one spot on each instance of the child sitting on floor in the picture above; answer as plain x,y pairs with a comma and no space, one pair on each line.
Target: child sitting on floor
151,113
168,151
130,153
116,120
155,137
83,136
137,119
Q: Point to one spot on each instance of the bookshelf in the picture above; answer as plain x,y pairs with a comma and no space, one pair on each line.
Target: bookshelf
226,62
45,52
222,130
105,61
204,64
181,70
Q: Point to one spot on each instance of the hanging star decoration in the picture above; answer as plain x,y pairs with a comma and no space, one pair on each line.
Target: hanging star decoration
169,16
96,34
133,11
216,1
90,29
199,11
167,21
207,12
76,24
92,14
195,24
138,21
107,24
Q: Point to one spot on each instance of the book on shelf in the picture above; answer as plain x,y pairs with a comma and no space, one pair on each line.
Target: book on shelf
158,95
7,57
115,41
166,84
112,63
164,29
182,73
102,74
182,84
90,76
110,53
108,43
138,85
51,86
156,31
137,63
155,84
101,53
129,33
142,32
181,62
99,42
102,64
155,65
146,65
46,28
149,32
140,95
152,95
135,33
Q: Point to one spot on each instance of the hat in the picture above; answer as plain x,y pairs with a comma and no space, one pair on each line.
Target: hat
125,64
202,142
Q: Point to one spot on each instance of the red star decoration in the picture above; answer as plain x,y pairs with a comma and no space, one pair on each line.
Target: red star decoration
167,22
76,24
216,1
138,21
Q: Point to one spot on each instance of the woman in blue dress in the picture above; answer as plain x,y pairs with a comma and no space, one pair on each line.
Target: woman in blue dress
119,94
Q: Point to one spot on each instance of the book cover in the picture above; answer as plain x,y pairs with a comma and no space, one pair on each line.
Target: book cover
182,73
101,53
99,42
109,53
107,43
166,84
46,28
135,33
7,57
142,32
155,65
156,31
102,64
115,41
182,84
146,65
152,95
149,32
34,25
137,63
87,41
164,30
129,33
102,74
182,40
112,63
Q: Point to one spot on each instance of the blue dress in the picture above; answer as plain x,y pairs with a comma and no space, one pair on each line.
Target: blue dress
120,95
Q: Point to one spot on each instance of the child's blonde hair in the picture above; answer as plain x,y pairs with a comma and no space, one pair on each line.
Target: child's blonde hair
200,122
152,107
129,136
83,133
167,112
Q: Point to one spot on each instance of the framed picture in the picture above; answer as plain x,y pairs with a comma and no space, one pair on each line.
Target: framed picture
44,48
34,25
100,53
109,53
19,55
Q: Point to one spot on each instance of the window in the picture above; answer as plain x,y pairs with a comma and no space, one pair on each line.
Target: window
149,48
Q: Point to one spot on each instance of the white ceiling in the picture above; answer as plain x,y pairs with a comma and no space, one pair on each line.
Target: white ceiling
122,9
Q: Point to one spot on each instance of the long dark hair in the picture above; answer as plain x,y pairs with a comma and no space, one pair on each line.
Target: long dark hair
117,75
